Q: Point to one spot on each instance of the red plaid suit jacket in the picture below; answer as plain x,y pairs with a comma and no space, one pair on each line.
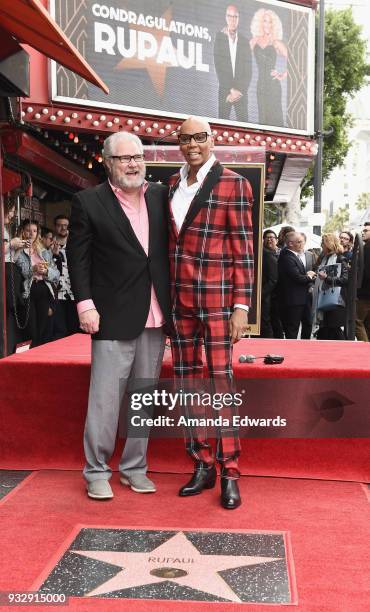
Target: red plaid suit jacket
211,258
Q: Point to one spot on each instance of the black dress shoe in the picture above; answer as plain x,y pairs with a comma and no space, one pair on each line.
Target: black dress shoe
204,477
230,496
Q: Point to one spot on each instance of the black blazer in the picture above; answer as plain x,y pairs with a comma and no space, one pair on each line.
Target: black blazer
269,273
293,283
363,292
243,64
107,263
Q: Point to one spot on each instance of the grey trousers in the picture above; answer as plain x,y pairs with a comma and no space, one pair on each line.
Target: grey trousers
115,365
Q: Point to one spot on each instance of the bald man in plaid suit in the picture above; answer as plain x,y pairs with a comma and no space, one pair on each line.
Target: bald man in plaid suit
211,263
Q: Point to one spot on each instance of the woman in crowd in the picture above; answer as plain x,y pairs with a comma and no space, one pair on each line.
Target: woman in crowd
13,279
332,272
40,276
270,54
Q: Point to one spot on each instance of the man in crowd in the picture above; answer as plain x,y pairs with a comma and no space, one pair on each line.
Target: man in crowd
308,259
47,237
363,293
65,318
118,259
281,241
346,239
233,64
211,264
293,285
269,281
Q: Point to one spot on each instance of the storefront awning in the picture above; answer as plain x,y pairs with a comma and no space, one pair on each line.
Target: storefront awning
30,23
22,148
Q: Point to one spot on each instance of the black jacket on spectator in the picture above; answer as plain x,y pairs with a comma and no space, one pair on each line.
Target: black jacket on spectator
364,291
293,282
269,281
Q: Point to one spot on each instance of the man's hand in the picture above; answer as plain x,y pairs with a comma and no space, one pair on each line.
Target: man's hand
89,321
55,247
234,95
238,324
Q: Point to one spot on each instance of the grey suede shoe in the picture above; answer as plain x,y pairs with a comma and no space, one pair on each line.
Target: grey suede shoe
138,483
99,489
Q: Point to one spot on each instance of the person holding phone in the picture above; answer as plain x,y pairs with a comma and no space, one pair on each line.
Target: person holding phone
40,276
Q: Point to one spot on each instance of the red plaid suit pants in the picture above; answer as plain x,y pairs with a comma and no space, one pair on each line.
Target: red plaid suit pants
193,328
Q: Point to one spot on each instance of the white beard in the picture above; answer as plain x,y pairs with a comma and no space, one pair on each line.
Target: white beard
133,181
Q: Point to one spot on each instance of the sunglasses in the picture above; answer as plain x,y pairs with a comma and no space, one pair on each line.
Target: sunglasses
199,137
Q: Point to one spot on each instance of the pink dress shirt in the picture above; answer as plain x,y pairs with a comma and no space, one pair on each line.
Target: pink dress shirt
138,218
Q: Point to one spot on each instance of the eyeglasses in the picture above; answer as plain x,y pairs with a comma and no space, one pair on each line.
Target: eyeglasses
198,137
125,159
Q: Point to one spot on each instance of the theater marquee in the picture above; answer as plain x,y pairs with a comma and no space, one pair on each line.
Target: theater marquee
175,59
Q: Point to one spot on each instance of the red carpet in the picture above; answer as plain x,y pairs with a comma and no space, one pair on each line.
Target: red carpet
328,524
43,395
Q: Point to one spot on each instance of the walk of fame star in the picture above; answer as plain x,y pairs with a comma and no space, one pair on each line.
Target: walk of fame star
202,574
191,565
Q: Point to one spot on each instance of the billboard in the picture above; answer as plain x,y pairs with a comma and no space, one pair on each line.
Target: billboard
250,63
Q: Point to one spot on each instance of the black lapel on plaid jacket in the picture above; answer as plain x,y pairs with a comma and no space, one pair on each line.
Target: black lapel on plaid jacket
203,194
174,187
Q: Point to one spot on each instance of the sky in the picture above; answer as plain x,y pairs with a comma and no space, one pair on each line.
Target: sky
359,106
360,10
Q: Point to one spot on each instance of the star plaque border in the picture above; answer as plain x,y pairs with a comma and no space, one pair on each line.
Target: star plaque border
212,565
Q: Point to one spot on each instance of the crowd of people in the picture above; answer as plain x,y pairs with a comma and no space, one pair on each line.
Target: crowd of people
39,301
305,292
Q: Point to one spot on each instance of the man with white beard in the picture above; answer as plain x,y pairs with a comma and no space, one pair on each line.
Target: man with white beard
118,260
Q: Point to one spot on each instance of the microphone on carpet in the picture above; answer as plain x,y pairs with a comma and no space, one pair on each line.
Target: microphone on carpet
247,359
268,359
